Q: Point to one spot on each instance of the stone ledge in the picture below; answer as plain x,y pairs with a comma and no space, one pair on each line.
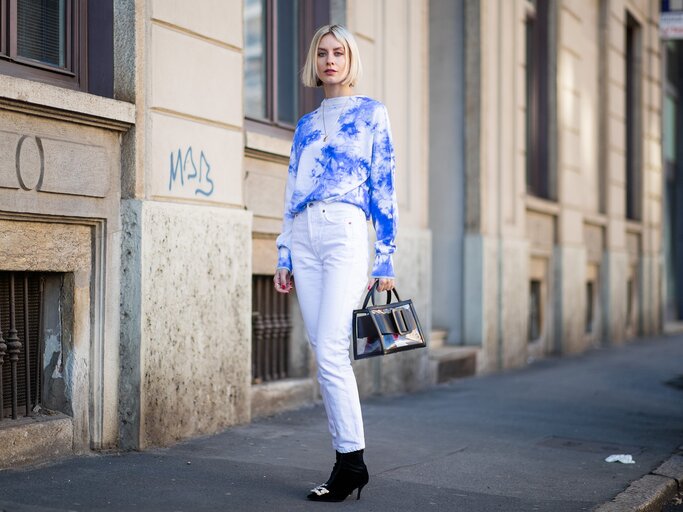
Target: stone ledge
437,339
672,328
453,363
648,494
279,396
672,468
37,439
452,352
263,143
55,102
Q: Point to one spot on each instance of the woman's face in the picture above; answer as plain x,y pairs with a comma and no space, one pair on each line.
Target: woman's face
332,63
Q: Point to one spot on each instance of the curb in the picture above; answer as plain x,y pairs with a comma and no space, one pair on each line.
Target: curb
651,492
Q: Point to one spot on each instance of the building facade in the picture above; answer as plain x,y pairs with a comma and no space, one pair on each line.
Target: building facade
145,151
551,114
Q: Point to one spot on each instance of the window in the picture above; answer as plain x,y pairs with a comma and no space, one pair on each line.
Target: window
631,111
630,300
537,99
41,40
535,310
62,42
672,134
590,307
277,34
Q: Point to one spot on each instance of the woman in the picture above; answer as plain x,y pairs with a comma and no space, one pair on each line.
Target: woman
341,173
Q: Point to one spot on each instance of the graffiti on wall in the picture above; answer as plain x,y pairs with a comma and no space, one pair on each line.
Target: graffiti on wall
187,172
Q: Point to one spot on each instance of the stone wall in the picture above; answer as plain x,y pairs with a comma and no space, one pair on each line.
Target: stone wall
60,213
193,322
577,241
186,298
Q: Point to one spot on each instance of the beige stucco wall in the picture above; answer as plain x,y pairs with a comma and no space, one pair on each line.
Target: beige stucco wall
646,234
196,320
193,101
186,299
393,41
583,233
392,37
496,253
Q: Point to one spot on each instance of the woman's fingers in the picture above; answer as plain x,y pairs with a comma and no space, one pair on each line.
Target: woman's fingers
385,284
282,280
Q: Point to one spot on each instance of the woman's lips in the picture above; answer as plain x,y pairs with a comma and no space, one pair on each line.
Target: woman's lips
329,71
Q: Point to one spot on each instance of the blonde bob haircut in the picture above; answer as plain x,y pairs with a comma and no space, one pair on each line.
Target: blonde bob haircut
309,76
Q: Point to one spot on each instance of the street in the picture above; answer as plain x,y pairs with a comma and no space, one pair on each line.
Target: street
522,440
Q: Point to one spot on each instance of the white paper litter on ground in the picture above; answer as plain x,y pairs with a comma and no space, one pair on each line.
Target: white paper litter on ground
623,458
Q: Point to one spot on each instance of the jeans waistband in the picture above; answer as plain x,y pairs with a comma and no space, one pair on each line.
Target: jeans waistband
326,204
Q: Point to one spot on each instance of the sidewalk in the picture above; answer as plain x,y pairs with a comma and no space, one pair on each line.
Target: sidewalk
526,440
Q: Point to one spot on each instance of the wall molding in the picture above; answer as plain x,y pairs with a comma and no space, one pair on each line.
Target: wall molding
93,429
53,102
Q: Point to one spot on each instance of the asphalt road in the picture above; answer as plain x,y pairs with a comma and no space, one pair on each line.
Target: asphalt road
524,440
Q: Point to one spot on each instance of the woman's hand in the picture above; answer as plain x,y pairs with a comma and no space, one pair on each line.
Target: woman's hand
384,284
283,280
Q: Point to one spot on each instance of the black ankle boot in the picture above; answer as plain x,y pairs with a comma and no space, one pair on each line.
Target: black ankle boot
335,468
349,473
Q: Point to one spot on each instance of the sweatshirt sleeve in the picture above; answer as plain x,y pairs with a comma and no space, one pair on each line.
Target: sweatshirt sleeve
383,206
283,242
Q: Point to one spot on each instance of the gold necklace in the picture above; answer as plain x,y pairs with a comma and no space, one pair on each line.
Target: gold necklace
338,117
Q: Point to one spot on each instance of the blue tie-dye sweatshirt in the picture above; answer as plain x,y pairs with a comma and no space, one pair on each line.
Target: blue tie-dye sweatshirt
354,165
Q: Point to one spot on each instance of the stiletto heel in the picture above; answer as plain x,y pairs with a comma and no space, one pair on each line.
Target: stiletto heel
359,490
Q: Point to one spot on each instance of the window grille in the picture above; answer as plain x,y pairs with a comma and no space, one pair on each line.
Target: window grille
20,342
271,329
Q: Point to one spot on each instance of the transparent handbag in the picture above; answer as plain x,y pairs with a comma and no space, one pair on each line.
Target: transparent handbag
385,329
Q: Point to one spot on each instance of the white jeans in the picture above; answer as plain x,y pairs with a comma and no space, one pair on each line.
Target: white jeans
330,261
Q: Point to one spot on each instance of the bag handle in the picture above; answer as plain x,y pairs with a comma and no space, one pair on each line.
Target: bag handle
371,295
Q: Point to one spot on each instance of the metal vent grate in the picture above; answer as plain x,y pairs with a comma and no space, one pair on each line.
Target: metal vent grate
271,328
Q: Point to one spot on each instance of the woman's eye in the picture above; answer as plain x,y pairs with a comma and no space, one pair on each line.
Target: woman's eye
339,54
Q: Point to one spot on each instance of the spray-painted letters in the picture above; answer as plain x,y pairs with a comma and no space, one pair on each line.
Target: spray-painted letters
189,173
